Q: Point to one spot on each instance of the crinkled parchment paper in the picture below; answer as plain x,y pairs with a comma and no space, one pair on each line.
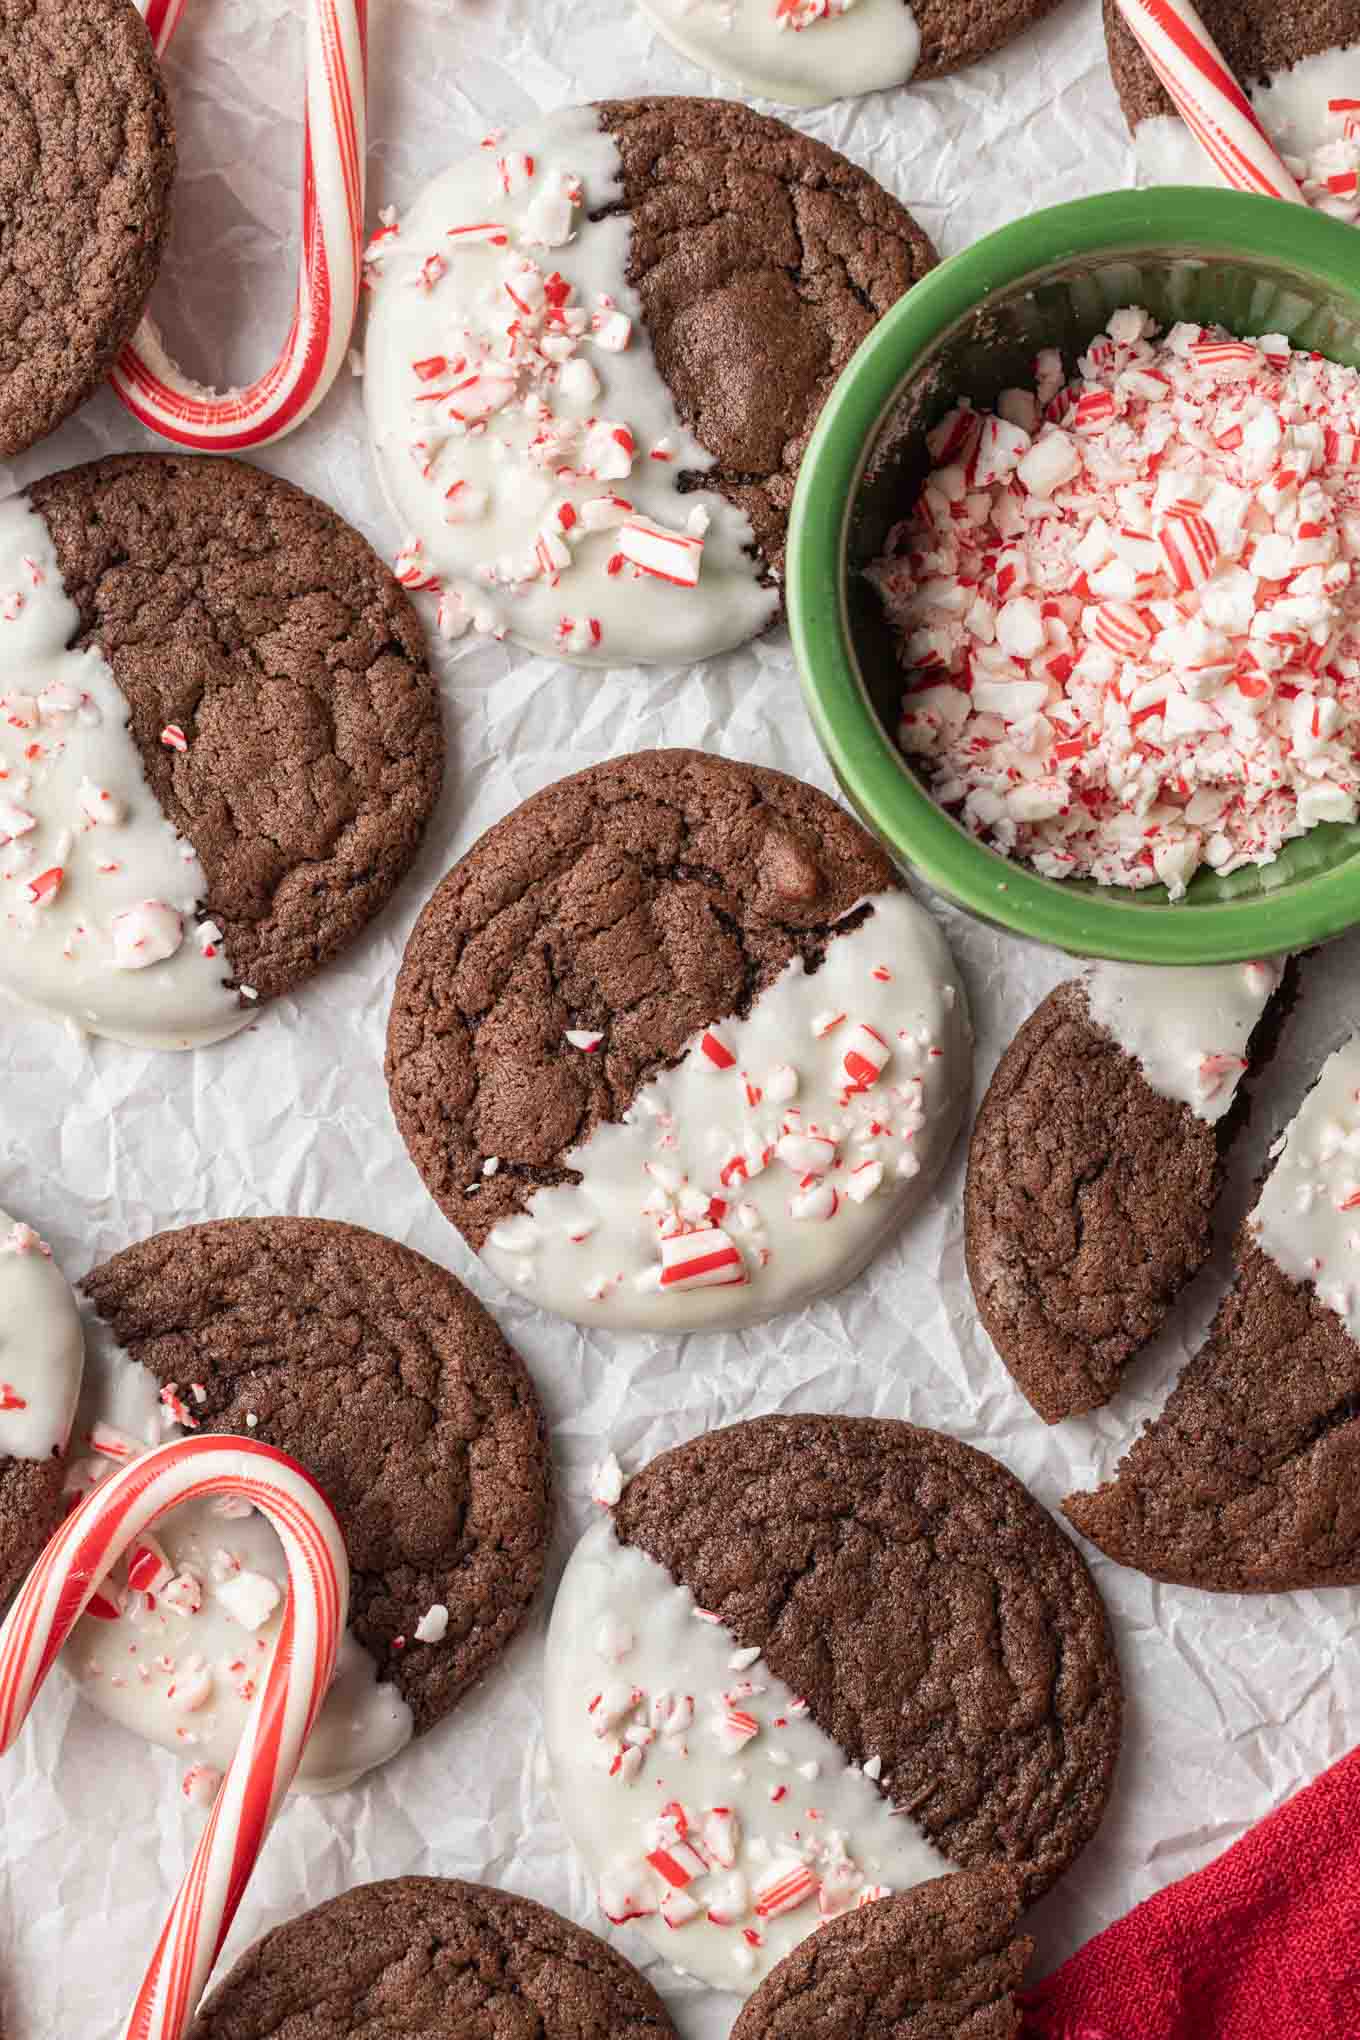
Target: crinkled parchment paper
1232,1703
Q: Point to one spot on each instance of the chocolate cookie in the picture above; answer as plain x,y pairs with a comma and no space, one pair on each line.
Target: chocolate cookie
826,1658
940,1961
425,1955
1292,61
1249,1480
672,1047
221,740
1096,1162
85,177
41,1357
378,1371
595,355
805,53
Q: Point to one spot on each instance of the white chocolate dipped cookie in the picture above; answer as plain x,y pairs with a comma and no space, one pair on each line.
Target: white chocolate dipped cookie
596,349
388,1382
757,1686
219,743
41,1356
674,1050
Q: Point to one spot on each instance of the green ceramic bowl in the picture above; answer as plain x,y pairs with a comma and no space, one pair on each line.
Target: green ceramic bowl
972,328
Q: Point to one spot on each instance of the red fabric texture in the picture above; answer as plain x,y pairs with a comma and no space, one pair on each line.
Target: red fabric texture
1263,1944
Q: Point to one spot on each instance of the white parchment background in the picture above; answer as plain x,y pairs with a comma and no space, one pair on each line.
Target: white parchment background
1232,1703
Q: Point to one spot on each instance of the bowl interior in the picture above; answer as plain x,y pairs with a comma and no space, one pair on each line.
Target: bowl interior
979,339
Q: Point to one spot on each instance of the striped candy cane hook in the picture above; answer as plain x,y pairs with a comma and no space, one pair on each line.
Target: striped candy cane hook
1208,97
62,1584
335,143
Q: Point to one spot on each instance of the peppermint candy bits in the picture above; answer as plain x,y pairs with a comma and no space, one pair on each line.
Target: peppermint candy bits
1135,650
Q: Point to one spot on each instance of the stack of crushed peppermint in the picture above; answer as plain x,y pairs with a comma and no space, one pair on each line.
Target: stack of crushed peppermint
1329,175
1129,607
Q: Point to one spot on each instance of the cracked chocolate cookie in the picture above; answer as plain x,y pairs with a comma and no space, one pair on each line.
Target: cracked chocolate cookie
430,1956
85,178
1097,1159
809,52
1297,63
1249,1480
830,1658
220,745
595,355
392,1386
941,1961
42,1353
673,1048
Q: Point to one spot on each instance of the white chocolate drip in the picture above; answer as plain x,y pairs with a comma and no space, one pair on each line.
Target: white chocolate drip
41,1347
1187,1029
1308,1215
796,52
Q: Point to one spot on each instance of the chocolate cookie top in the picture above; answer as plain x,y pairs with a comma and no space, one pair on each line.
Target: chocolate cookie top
558,1070
929,1612
1247,1481
934,1963
425,1955
804,53
41,1358
1258,38
85,177
1096,1162
199,644
391,1385
595,354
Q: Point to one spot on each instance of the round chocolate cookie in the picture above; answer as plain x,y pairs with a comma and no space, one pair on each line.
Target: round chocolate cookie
1097,1160
1249,1479
641,308
391,1385
85,178
806,54
1292,61
672,1047
425,1955
231,743
938,1963
41,1357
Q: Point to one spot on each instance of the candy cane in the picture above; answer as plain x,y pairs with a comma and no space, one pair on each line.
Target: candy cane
152,386
61,1586
1208,98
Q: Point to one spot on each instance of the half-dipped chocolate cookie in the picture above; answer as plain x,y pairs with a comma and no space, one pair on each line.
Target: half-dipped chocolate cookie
42,1353
673,1048
1298,64
806,52
811,1662
219,744
1097,1159
596,351
942,1962
392,1386
428,1956
85,178
1249,1480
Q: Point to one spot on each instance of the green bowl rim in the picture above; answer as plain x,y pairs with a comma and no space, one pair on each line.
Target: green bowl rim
878,783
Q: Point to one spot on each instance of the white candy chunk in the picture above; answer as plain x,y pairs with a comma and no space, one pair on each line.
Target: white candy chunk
1052,461
146,934
250,1598
433,1625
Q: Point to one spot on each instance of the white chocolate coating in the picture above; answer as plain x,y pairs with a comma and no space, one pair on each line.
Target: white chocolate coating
621,1626
183,1676
522,557
1291,107
42,1350
74,802
853,46
804,1184
1308,1215
1187,1029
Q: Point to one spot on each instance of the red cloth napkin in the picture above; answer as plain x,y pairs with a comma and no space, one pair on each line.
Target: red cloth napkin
1263,1944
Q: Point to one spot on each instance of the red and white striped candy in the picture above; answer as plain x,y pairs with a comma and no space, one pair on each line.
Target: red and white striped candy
148,1567
864,1056
701,1260
677,1863
714,1054
65,1583
808,1154
783,1889
1119,627
721,1836
1190,544
335,146
675,556
734,1728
